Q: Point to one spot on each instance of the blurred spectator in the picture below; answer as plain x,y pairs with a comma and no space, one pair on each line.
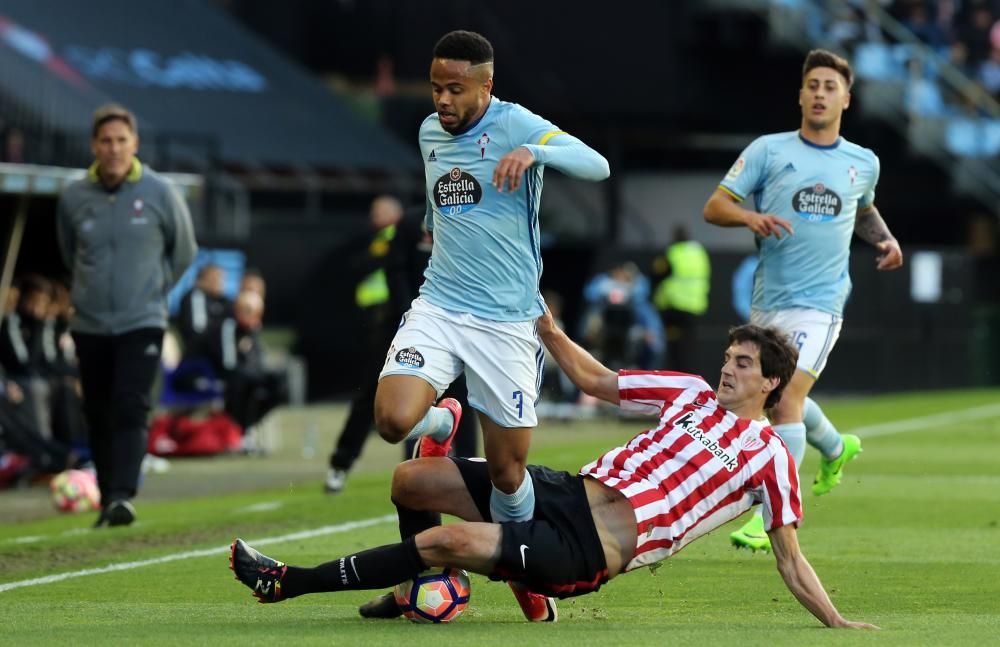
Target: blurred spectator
119,294
204,305
66,402
918,20
24,398
620,325
235,354
253,281
19,435
385,76
974,34
21,351
682,297
14,146
989,73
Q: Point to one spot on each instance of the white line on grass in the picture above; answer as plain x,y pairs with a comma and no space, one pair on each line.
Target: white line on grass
925,422
125,566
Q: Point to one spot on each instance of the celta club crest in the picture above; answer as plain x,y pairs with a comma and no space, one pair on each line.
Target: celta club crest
853,174
483,141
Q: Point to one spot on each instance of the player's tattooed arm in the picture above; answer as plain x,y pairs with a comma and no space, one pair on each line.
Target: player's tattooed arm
871,228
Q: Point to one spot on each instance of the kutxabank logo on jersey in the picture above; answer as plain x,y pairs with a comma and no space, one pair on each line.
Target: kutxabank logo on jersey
457,192
817,203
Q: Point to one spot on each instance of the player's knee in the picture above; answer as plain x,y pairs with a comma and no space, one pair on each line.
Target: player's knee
508,477
406,488
392,423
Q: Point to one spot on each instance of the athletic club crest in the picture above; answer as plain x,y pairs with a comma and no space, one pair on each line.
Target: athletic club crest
483,140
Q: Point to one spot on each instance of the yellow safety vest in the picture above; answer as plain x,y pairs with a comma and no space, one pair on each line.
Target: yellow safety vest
373,290
686,288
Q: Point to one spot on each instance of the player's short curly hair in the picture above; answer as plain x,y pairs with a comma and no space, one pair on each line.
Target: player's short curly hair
461,45
778,355
113,112
826,58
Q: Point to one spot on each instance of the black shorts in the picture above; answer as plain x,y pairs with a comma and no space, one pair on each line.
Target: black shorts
558,553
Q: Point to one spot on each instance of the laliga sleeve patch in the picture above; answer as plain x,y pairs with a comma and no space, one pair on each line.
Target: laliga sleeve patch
736,169
410,358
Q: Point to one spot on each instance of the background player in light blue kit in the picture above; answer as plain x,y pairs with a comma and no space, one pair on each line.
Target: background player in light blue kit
476,311
811,190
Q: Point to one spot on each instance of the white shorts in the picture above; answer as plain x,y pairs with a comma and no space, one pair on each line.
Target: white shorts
502,360
814,332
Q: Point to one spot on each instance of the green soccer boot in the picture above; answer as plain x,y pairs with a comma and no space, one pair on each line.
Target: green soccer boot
831,471
752,535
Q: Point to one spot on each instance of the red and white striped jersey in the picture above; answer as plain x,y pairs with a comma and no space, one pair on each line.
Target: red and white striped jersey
701,467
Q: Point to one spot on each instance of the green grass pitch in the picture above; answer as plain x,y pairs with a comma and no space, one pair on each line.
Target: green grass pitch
909,541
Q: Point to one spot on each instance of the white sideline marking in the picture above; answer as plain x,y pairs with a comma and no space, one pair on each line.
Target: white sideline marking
28,539
266,506
924,422
204,552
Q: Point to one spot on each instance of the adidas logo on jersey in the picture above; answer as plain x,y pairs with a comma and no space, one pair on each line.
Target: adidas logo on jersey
432,157
789,167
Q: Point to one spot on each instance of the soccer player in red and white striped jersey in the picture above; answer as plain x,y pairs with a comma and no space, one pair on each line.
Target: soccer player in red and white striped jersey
700,467
710,458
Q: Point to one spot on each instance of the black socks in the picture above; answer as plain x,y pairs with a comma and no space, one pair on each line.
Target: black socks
375,568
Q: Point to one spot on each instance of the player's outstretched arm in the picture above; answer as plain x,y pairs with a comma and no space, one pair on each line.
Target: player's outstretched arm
571,156
801,580
589,375
722,210
871,228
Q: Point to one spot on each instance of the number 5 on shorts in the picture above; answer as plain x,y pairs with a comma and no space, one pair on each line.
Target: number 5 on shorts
519,400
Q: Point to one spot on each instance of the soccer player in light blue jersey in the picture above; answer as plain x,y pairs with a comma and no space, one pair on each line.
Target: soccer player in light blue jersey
811,189
483,162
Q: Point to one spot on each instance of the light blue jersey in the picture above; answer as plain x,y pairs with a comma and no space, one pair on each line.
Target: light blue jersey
486,258
819,189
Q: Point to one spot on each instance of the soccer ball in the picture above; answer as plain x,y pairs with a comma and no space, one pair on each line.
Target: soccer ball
436,595
75,491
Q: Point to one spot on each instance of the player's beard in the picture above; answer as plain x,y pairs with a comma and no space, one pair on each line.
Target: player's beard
459,127
822,124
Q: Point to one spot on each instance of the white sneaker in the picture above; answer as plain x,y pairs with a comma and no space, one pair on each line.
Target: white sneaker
335,478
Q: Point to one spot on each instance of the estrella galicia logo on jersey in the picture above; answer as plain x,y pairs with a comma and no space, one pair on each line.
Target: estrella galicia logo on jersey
817,203
410,358
457,192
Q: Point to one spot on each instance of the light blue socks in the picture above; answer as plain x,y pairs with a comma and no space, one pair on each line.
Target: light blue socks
519,506
794,435
820,432
436,423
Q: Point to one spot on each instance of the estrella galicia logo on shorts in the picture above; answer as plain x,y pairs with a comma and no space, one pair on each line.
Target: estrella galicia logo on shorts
457,192
817,203
410,358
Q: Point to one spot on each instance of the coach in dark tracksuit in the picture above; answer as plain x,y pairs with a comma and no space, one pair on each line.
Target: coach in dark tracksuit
126,236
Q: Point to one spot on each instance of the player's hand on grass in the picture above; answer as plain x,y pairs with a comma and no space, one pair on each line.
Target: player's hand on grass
850,624
890,255
511,168
766,224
